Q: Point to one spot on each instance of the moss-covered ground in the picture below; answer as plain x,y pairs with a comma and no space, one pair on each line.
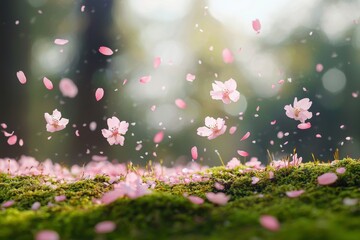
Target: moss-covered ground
319,213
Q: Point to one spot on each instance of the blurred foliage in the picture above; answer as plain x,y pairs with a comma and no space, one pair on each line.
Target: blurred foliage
182,33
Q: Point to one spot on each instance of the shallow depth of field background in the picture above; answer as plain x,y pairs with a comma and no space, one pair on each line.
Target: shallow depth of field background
189,36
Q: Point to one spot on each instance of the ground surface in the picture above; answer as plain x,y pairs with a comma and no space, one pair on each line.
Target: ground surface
319,213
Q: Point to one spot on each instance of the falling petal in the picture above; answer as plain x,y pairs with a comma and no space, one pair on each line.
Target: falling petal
194,153
256,25
68,88
60,41
246,136
48,84
12,140
157,62
145,79
318,135
319,67
21,142
159,137
21,77
227,56
304,126
243,153
99,94
232,130
180,103
106,51
190,77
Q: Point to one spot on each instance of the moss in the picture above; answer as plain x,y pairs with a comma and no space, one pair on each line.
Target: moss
317,214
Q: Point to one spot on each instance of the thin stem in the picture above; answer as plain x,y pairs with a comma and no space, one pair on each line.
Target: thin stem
221,160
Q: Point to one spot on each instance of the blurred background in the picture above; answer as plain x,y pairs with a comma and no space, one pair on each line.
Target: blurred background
189,37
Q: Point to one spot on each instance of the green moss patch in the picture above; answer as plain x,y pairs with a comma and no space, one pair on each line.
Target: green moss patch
319,213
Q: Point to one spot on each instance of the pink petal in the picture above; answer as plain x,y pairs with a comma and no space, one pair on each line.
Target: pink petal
304,126
319,67
153,108
145,79
294,194
68,88
243,153
8,204
340,170
99,94
82,8
47,235
190,77
232,130
227,56
105,227
194,153
269,222
60,198
35,206
327,178
217,198
159,137
12,140
48,84
256,25
196,200
77,133
180,103
246,136
106,51
255,180
157,62
59,41
318,136
3,125
21,77
6,134
273,122
21,142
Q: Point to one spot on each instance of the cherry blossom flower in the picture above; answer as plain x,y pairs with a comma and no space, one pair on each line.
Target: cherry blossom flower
115,131
217,198
225,91
213,128
233,163
55,122
300,110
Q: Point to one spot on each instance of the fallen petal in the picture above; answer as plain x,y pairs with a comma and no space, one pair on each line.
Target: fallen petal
327,178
